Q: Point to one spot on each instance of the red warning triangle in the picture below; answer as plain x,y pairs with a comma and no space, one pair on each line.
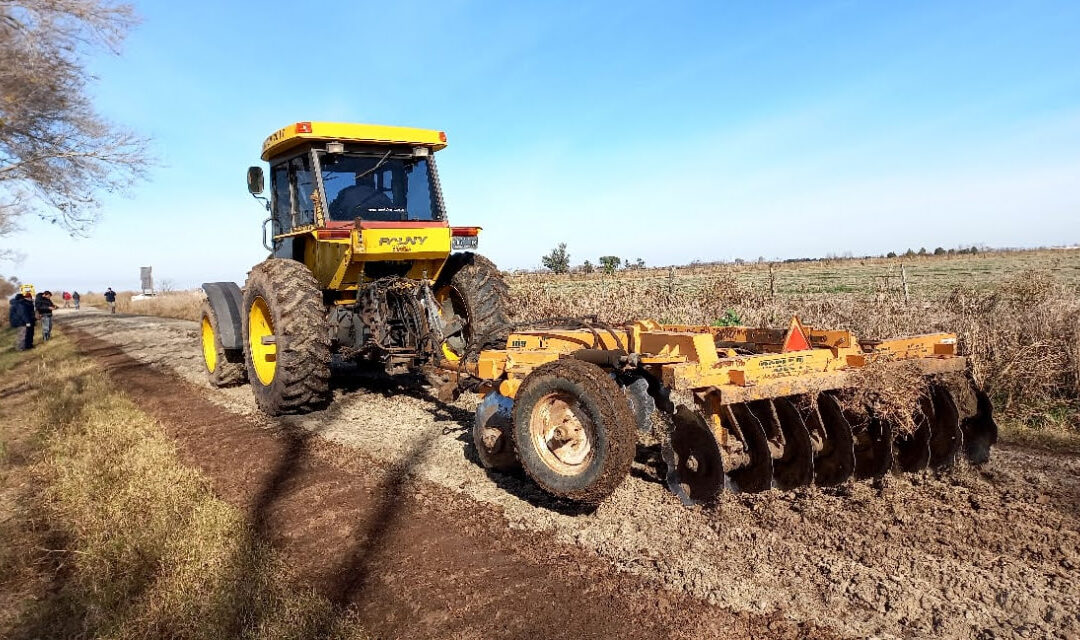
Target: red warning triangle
795,340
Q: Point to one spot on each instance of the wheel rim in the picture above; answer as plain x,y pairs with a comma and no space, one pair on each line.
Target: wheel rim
562,434
442,296
209,346
260,326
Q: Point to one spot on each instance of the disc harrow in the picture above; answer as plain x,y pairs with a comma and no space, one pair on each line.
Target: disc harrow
749,409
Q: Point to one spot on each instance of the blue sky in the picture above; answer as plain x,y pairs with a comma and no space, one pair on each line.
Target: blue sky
670,132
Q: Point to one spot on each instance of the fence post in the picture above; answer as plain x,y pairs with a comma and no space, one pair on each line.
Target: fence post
772,282
903,281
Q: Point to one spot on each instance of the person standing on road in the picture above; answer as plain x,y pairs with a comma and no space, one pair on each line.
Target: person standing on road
44,307
75,299
13,311
67,299
24,321
110,297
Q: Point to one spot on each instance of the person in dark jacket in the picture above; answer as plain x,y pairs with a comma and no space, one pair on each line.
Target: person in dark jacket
24,321
13,310
44,307
110,297
75,299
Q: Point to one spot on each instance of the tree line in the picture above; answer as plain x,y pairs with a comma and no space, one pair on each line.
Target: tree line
558,261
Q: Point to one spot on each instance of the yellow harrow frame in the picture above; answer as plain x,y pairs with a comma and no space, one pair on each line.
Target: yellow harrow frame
752,409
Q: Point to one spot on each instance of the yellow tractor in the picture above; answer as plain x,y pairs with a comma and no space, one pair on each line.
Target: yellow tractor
363,266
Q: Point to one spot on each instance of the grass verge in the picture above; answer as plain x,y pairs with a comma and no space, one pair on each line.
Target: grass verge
107,535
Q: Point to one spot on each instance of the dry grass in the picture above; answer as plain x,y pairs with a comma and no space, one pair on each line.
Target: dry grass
184,305
1022,333
114,538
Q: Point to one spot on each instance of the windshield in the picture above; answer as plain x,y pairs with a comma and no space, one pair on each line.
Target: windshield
374,188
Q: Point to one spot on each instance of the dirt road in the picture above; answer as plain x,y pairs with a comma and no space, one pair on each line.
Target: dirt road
969,554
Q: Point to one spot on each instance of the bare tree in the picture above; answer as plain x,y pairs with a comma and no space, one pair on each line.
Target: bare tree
57,155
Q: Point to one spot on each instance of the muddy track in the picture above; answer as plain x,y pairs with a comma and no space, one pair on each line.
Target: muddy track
968,554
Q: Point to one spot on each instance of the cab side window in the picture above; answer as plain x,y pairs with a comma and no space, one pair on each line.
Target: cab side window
304,186
281,196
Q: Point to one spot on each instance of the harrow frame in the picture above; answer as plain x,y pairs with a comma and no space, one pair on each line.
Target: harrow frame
752,409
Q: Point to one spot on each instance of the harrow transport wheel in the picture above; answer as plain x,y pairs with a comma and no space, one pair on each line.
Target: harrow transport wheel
946,439
835,462
573,430
695,464
492,432
471,291
795,468
224,368
286,345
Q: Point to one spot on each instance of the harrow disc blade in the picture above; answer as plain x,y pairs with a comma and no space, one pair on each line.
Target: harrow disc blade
946,437
795,467
912,450
874,449
835,462
757,474
980,431
695,464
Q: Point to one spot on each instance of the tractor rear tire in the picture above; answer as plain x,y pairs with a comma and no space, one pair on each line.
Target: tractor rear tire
479,295
574,432
285,327
224,367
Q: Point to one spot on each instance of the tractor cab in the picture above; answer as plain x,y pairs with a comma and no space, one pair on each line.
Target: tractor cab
326,172
342,197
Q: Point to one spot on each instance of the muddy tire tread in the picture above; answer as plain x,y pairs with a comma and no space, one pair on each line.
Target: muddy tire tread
485,294
302,380
230,371
616,420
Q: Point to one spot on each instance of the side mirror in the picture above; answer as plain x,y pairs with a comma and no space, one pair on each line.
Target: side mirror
255,180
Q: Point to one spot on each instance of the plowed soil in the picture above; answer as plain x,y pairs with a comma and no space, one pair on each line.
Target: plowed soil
382,504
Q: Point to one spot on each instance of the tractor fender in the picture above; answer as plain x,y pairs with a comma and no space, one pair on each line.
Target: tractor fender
225,299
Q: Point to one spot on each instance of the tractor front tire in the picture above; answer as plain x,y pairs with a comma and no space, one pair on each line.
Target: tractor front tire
478,294
224,368
574,432
286,342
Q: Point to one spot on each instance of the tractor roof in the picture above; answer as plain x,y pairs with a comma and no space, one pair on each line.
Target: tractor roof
295,134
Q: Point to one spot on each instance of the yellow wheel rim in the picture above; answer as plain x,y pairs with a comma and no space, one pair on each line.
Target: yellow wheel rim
441,296
263,356
209,345
449,354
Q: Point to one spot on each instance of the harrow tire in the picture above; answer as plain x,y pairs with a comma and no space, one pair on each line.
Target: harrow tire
480,294
293,300
597,402
225,367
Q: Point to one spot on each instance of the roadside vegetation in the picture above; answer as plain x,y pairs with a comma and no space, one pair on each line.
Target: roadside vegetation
184,305
1021,331
107,535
